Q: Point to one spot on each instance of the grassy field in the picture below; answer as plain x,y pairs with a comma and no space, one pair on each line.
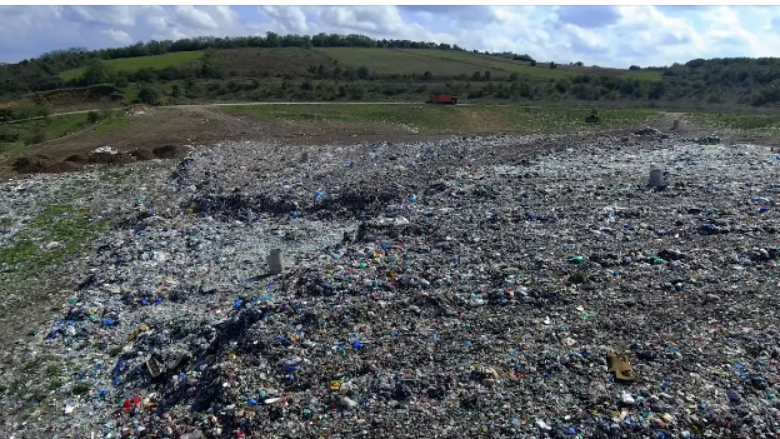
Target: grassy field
294,61
429,119
642,75
755,123
255,62
34,132
400,62
51,128
112,124
142,62
440,62
472,62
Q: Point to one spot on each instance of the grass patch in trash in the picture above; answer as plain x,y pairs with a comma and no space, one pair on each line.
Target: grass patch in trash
57,235
432,119
59,232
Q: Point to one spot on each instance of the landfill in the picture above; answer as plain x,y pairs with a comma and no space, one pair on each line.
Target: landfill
497,287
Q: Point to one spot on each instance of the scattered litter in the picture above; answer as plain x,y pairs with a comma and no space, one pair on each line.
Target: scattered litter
503,286
620,365
137,110
105,150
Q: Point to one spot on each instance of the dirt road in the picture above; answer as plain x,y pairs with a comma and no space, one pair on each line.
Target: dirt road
245,104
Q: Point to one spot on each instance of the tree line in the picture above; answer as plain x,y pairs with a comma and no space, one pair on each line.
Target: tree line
746,81
75,57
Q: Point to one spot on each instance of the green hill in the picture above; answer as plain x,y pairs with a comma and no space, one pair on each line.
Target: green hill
379,61
353,67
141,62
525,69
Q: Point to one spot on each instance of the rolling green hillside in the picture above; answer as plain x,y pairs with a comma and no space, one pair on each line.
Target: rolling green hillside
353,67
380,61
405,61
141,62
522,68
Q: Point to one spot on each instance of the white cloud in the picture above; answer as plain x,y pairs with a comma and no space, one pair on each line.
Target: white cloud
23,16
291,18
607,36
225,14
195,18
119,36
158,23
123,16
380,20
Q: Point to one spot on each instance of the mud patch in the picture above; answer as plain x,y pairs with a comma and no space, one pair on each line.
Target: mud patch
142,154
168,151
41,163
110,159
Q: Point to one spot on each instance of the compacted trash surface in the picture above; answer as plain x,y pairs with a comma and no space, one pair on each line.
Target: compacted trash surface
493,287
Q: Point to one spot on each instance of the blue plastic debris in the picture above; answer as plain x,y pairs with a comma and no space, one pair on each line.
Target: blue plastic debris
283,341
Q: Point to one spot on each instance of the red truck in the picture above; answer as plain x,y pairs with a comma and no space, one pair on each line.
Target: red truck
444,99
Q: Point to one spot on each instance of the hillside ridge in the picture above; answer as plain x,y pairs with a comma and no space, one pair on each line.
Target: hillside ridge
332,67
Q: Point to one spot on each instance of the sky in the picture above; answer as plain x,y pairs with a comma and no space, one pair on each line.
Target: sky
608,36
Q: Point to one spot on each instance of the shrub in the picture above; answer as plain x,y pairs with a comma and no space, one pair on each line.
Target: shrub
38,136
150,95
93,117
165,151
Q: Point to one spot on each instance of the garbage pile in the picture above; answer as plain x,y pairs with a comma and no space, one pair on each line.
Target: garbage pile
648,131
107,149
137,110
507,286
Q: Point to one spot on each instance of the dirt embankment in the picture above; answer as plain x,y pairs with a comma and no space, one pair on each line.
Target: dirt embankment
168,133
